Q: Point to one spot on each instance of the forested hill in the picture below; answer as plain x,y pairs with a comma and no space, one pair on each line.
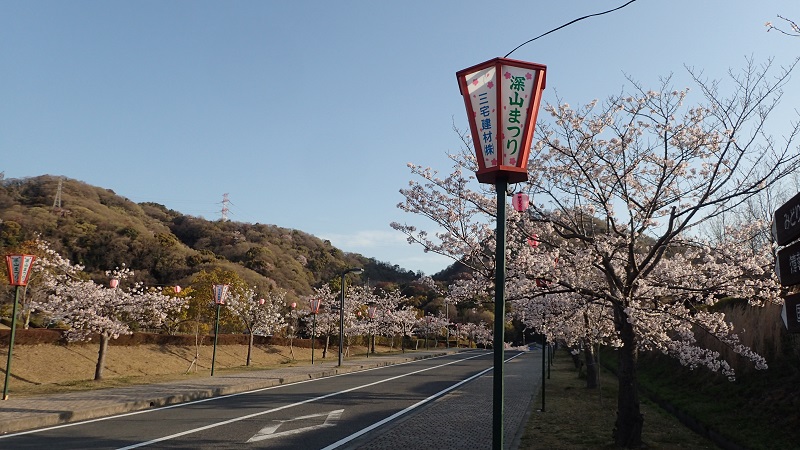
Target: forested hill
101,230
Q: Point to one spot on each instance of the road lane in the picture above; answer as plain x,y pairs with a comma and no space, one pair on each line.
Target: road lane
311,414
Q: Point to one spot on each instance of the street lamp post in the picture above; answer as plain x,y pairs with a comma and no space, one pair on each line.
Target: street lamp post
314,305
447,323
502,98
372,311
19,271
341,311
220,292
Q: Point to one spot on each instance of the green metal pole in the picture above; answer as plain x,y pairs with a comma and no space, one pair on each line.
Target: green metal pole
544,356
499,315
216,332
11,341
341,320
313,338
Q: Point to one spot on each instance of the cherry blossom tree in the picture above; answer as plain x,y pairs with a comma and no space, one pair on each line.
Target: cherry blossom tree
89,308
259,316
432,326
475,333
326,321
621,190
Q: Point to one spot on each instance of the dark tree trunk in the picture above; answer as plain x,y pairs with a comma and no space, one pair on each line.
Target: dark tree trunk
249,347
101,357
592,371
327,343
628,427
576,358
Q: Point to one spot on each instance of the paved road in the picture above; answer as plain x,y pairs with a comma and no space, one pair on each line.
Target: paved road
438,403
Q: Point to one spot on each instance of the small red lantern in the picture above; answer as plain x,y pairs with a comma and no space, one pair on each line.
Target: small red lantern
533,241
177,289
294,305
19,269
520,201
113,283
261,301
502,98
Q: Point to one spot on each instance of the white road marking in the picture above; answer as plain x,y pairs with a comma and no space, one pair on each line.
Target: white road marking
310,400
394,416
269,432
194,402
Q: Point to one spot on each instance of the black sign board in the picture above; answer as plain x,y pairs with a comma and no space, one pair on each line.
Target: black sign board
791,313
787,265
786,223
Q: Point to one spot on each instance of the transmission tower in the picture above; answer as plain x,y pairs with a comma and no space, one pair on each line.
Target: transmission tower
57,199
225,209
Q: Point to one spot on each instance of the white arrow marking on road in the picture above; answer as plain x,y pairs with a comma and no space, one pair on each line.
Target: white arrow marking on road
269,432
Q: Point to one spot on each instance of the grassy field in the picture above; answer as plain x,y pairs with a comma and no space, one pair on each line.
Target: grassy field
579,418
48,368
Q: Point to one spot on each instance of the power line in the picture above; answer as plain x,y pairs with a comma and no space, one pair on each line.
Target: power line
567,24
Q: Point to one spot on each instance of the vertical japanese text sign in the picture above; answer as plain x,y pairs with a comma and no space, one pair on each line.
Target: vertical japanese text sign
220,292
502,98
786,223
19,269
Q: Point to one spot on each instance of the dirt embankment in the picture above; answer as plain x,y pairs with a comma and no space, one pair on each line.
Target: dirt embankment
49,368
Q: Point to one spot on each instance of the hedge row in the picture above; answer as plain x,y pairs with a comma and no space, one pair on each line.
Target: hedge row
36,336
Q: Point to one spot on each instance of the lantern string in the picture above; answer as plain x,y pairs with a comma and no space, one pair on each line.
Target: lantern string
567,24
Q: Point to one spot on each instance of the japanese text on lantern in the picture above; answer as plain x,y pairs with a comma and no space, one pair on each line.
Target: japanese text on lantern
486,123
481,86
514,103
516,92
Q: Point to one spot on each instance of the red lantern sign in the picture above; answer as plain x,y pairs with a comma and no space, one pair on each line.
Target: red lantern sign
19,269
220,292
314,304
520,201
502,98
177,289
113,283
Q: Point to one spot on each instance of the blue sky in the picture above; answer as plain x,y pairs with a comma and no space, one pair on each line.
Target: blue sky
306,112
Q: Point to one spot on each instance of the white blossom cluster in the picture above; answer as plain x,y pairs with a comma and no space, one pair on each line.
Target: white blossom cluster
89,308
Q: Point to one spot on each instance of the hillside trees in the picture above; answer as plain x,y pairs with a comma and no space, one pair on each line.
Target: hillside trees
620,191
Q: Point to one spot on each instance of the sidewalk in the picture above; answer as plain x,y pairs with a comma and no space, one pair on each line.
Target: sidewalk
26,413
462,419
